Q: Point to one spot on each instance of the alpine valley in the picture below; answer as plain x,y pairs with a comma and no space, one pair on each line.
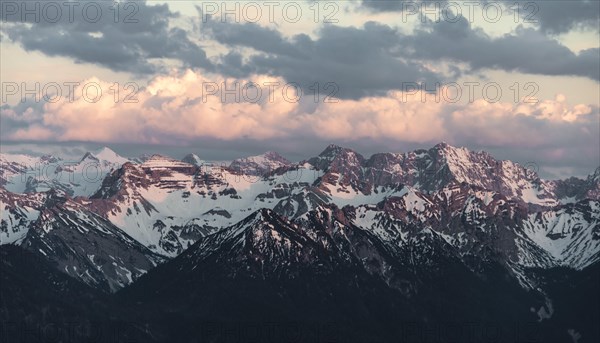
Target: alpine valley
435,245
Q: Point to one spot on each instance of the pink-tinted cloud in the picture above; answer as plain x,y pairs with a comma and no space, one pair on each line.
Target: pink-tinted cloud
176,109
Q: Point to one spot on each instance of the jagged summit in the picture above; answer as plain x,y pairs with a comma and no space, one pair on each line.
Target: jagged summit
260,164
335,155
595,176
334,147
104,151
429,224
445,148
89,156
105,154
266,156
333,150
274,156
193,159
167,205
443,145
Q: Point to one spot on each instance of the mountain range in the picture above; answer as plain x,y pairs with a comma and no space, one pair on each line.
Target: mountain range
434,245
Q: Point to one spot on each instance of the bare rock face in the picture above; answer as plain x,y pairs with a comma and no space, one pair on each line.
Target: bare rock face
369,243
259,165
77,241
144,211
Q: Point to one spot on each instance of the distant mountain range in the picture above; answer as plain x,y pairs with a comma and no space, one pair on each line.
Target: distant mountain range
441,242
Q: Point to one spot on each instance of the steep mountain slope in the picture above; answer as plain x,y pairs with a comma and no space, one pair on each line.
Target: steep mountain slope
159,203
15,167
76,241
40,304
575,304
80,177
475,203
17,213
574,189
430,170
571,233
167,204
193,159
320,270
368,244
260,164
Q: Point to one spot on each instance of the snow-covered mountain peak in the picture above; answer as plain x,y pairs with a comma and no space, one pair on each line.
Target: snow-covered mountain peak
267,157
49,158
260,216
104,155
444,149
332,147
595,177
17,158
454,155
447,199
12,165
193,159
260,164
274,156
334,150
335,155
443,146
107,154
88,157
161,161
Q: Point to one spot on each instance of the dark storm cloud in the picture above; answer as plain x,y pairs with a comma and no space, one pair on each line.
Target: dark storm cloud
561,16
551,16
384,5
254,36
361,61
92,33
396,5
376,58
232,64
526,50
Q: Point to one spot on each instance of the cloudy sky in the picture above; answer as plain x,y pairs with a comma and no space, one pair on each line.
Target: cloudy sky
519,79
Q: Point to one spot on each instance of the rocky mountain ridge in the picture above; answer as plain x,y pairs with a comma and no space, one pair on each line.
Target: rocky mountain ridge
161,206
415,237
